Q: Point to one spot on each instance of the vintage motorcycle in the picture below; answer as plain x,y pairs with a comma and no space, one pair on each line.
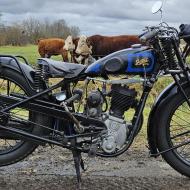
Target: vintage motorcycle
33,112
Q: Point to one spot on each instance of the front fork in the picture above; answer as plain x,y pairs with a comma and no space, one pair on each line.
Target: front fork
184,68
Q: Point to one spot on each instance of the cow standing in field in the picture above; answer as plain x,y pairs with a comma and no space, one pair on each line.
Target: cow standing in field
69,47
56,46
104,45
51,46
81,52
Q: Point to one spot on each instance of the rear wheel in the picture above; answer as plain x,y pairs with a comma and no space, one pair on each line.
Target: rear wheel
174,129
13,149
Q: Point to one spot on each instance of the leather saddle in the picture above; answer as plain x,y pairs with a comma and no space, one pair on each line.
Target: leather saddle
61,69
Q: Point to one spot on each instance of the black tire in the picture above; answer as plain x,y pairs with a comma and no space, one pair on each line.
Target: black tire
25,147
173,129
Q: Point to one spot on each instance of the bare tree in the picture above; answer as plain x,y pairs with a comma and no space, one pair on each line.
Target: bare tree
31,29
15,35
2,32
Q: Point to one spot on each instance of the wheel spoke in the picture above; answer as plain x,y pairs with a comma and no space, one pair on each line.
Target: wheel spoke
178,124
183,149
1,85
8,87
14,88
185,106
181,134
183,111
180,130
182,119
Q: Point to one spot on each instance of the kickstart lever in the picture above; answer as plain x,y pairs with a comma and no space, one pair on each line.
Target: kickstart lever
78,128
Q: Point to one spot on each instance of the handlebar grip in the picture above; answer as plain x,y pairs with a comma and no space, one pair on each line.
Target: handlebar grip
148,35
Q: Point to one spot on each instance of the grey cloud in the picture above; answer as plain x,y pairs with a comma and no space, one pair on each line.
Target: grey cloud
99,16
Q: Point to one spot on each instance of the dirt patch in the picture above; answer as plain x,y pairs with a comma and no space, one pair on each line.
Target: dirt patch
50,168
55,182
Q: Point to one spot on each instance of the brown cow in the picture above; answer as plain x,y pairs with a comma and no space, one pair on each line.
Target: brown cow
51,46
104,45
80,51
83,51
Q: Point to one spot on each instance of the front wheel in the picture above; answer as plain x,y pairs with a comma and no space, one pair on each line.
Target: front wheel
174,129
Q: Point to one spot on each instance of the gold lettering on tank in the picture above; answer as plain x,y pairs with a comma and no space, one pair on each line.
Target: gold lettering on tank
141,62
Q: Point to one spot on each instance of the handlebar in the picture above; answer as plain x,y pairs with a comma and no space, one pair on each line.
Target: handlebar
162,30
148,35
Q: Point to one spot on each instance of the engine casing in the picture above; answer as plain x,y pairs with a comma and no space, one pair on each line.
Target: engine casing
116,136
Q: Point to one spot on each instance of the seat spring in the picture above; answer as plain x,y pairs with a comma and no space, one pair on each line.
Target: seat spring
40,78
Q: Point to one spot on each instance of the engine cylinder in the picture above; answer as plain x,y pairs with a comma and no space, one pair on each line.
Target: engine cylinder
122,99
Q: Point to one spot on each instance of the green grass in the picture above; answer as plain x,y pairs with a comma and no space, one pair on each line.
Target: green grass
30,52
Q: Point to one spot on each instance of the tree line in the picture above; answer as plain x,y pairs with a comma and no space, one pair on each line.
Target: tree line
30,30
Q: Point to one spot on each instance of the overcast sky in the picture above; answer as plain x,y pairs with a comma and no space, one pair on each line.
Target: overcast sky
106,17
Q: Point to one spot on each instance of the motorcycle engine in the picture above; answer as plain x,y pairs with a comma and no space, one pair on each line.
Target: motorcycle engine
122,98
116,135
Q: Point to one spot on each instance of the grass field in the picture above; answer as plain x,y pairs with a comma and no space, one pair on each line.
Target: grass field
30,52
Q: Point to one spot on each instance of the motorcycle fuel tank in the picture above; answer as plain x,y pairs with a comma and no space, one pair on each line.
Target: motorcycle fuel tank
136,60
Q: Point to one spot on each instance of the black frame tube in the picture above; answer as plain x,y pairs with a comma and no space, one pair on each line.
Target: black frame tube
33,97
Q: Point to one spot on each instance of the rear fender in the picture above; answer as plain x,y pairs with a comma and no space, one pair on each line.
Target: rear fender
10,63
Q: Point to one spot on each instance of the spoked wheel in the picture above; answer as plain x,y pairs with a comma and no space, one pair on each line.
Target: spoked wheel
8,142
173,130
12,147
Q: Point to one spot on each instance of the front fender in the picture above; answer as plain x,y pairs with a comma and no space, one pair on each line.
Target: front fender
153,119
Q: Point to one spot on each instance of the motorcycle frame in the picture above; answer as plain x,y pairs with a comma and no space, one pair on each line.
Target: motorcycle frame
53,109
37,105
